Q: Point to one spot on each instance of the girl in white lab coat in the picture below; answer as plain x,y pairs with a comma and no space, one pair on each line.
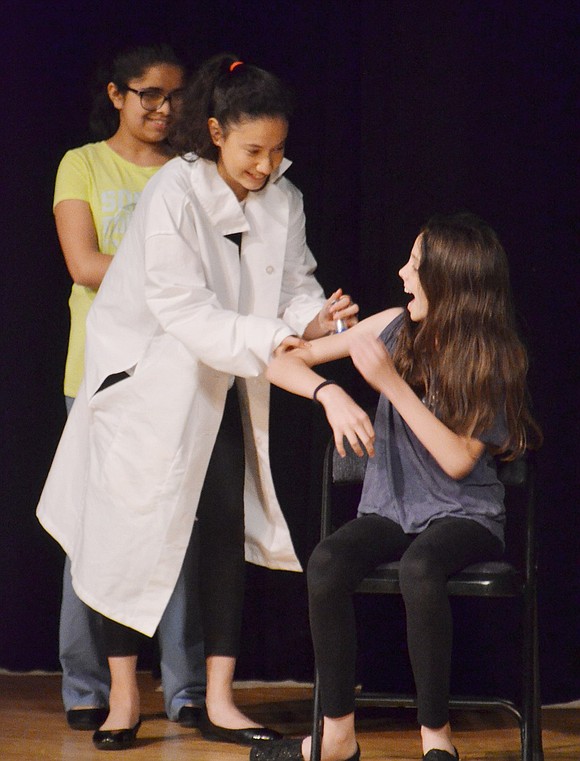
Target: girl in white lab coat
212,276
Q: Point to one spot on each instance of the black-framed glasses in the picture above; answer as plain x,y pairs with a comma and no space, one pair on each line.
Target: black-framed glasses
153,98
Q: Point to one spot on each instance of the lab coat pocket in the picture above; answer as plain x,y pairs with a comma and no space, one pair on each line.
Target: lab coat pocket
137,452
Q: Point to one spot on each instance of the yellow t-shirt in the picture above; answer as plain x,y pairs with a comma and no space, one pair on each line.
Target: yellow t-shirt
111,186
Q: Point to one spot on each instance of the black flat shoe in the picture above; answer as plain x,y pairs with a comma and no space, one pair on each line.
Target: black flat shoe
86,718
116,739
440,755
287,750
188,716
249,736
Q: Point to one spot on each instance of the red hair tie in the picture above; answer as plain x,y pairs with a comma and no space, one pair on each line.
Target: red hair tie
234,64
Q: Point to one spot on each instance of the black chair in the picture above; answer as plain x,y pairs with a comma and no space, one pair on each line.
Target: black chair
493,579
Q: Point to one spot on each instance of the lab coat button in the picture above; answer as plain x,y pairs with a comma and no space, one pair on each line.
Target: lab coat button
269,270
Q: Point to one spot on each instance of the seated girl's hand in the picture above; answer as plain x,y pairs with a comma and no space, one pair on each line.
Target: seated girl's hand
346,418
339,306
373,361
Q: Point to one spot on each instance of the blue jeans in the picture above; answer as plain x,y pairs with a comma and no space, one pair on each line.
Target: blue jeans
85,672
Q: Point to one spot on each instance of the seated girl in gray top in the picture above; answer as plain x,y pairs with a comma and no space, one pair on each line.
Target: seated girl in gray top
451,372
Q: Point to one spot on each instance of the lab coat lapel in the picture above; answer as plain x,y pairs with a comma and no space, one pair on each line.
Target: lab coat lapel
263,251
227,218
258,277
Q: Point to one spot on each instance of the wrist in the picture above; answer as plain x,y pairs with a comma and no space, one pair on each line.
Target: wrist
324,323
320,387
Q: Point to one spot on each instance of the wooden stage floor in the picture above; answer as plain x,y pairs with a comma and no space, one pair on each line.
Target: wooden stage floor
33,728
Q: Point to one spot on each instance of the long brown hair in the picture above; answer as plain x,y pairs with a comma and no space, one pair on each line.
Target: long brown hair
465,356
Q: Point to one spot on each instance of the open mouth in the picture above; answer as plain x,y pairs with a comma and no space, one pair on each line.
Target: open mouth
411,297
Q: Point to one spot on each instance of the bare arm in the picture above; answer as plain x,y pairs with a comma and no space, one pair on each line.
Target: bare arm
293,372
78,240
455,454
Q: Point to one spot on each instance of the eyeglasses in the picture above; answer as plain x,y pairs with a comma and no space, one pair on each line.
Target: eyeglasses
153,99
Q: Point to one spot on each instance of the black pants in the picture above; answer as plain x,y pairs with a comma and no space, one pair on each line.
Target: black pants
341,561
220,517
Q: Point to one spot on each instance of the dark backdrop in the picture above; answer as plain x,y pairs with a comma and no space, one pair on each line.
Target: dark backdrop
405,108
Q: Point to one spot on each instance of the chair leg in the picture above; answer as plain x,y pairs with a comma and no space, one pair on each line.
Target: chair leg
531,732
316,748
532,749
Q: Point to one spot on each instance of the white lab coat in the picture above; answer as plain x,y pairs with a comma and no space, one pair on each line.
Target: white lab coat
183,313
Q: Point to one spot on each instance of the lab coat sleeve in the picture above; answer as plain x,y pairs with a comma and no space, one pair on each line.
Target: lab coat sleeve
187,306
302,296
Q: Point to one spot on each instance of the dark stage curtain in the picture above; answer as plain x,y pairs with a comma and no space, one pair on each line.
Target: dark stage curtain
405,109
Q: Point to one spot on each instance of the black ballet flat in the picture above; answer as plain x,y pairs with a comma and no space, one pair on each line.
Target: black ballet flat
441,755
249,736
188,716
116,739
86,718
287,750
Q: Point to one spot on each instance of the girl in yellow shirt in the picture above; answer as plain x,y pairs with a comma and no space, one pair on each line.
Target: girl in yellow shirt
97,187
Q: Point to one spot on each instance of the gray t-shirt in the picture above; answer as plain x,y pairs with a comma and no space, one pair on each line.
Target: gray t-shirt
403,481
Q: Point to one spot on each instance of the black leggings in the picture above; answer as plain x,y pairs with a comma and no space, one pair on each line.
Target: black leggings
220,516
341,561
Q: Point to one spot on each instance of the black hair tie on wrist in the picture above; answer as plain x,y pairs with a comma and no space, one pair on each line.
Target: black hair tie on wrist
321,385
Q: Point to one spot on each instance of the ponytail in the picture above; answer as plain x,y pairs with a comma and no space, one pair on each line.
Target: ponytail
230,91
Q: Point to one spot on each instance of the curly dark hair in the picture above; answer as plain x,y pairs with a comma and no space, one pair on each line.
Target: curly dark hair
230,94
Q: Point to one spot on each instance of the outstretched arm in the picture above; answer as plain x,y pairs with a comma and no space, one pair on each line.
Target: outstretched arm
293,372
455,454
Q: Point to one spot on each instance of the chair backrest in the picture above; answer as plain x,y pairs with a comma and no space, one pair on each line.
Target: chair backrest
351,469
